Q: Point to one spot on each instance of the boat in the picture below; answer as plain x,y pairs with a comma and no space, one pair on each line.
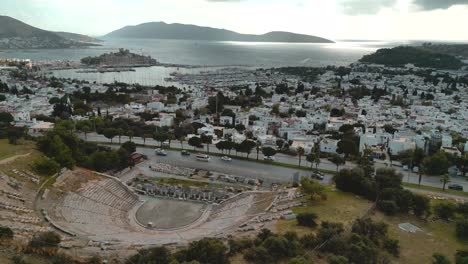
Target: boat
202,157
226,158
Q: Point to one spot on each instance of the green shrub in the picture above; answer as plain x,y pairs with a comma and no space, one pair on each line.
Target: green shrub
307,219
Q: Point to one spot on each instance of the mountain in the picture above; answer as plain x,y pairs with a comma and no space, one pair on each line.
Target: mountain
161,30
15,34
77,37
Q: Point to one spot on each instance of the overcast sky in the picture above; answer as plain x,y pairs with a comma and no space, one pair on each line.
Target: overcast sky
335,19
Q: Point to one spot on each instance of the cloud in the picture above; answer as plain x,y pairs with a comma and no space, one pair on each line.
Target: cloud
365,7
437,4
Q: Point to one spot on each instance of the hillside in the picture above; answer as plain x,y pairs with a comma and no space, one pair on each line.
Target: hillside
77,37
451,49
402,55
15,34
161,30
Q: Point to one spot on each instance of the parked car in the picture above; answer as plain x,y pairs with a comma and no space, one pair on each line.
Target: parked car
185,153
269,158
454,186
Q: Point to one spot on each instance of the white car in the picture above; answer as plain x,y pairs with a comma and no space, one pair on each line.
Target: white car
226,158
269,158
160,152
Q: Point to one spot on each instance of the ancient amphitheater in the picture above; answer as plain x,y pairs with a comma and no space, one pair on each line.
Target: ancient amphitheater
101,208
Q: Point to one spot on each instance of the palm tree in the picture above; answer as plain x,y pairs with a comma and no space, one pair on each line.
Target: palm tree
181,140
300,153
86,130
337,160
312,158
120,132
258,145
444,180
130,135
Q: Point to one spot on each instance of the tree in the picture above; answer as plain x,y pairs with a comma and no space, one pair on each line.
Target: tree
60,152
86,130
5,118
464,164
312,158
46,240
207,250
130,134
438,258
313,188
337,260
300,153
347,147
337,160
307,219
388,178
15,133
46,166
247,146
195,142
110,133
436,164
6,233
461,257
461,229
357,182
259,255
445,210
208,140
268,151
258,146
156,255
160,137
444,180
145,136
421,205
129,146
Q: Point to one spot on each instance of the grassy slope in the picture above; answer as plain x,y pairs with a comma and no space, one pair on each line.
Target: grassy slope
436,236
8,150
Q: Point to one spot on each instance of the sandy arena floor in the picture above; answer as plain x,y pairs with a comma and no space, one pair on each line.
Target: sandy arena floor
168,214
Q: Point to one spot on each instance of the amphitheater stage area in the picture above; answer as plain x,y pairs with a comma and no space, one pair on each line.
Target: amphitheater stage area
95,207
169,214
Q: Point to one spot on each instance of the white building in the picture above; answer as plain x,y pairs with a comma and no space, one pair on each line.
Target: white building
329,145
397,145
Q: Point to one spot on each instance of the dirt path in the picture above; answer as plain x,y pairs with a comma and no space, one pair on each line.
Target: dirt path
11,159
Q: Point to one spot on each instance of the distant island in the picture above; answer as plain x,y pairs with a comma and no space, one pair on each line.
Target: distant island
15,34
119,59
420,57
161,30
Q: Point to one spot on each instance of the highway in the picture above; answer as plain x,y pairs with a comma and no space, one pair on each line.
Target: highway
259,170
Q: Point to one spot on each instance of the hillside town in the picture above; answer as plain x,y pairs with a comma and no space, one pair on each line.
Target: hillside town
389,110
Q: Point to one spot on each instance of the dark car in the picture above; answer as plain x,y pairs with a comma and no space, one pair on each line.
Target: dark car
455,186
185,153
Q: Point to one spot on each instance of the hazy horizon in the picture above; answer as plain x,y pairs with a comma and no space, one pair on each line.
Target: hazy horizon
337,19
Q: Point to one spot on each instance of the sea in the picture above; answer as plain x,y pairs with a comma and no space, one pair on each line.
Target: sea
205,55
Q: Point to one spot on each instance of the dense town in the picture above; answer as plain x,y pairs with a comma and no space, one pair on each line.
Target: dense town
370,131
385,110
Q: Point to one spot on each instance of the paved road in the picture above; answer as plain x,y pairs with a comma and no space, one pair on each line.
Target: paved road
267,173
324,164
